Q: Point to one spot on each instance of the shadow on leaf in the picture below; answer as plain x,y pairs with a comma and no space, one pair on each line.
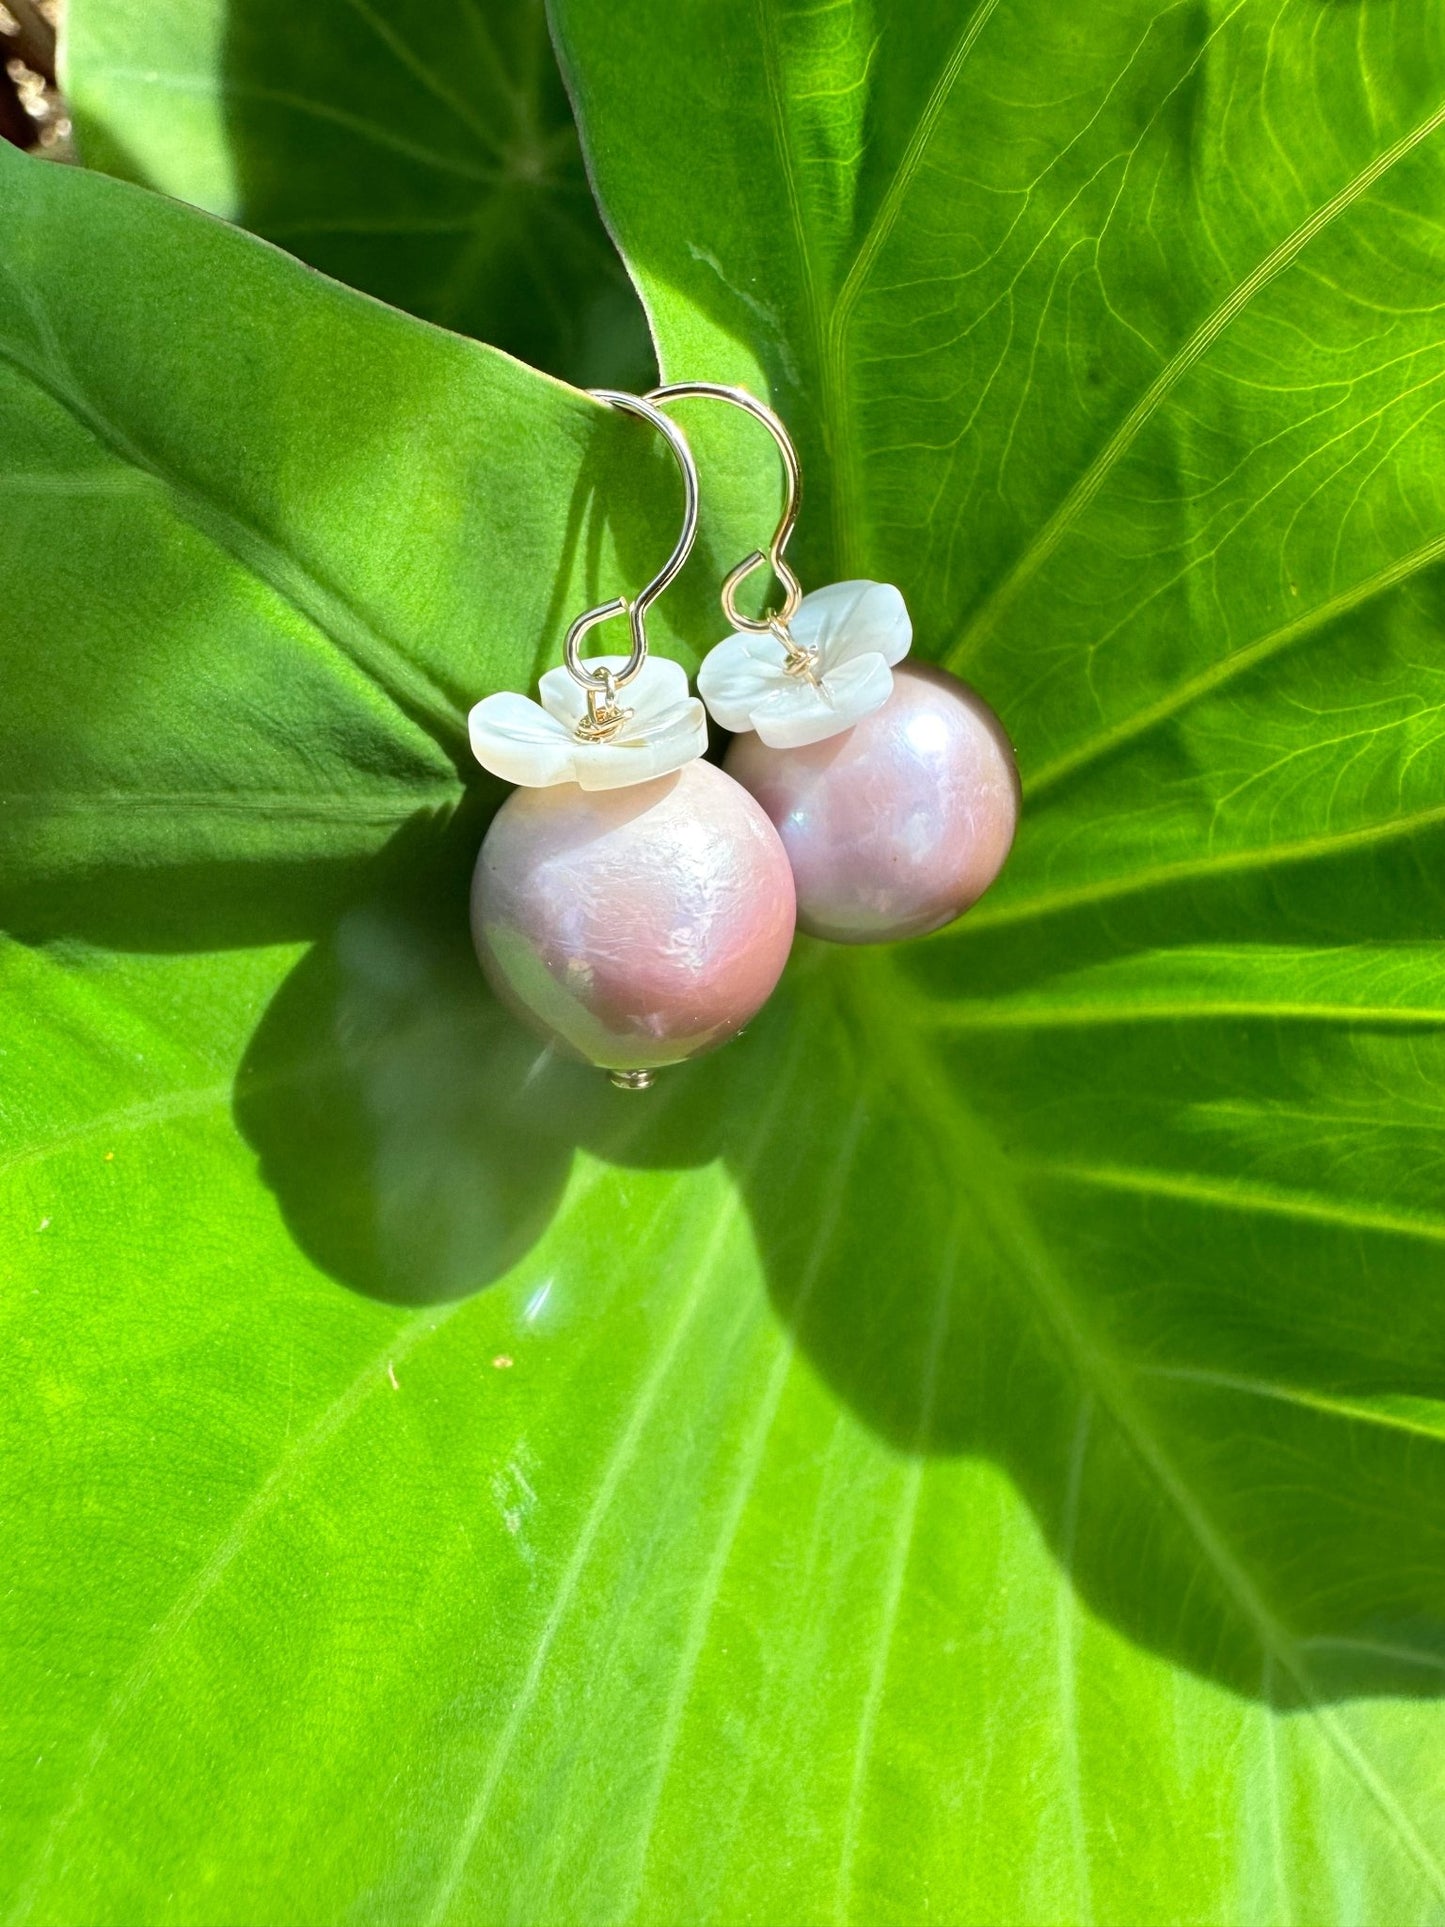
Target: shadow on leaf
417,1139
1177,1388
464,202
1189,1450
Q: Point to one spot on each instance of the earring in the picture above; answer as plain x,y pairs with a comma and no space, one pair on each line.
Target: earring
631,903
892,784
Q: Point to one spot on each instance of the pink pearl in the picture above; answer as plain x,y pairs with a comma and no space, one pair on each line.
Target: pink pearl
635,927
899,824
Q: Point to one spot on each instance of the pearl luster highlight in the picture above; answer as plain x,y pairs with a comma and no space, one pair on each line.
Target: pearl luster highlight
899,824
635,927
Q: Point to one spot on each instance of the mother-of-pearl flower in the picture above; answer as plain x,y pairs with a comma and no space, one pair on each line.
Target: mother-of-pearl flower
854,632
536,744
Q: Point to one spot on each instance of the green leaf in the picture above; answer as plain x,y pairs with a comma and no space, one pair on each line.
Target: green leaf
1113,338
286,536
973,1450
422,153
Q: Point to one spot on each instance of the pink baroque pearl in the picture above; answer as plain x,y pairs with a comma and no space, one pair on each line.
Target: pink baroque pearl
898,825
634,927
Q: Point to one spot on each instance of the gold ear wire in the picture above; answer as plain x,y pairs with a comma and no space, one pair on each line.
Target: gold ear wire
604,716
775,624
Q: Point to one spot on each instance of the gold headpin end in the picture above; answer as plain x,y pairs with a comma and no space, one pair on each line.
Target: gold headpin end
605,715
797,660
631,1080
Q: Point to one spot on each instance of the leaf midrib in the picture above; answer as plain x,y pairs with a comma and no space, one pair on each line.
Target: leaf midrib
846,479
1229,668
1215,324
1242,862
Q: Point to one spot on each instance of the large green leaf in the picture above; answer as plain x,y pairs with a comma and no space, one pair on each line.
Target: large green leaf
422,153
972,1450
1112,334
287,535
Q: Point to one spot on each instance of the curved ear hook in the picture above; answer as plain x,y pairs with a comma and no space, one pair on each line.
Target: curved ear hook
792,588
605,682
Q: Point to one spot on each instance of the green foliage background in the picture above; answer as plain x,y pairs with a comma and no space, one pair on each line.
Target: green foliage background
973,1450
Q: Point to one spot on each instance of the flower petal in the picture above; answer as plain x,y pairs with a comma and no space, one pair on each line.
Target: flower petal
657,687
806,712
851,619
737,674
677,736
516,739
746,686
661,687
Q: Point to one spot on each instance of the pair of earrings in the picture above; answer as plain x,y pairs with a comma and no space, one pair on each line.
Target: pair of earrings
635,904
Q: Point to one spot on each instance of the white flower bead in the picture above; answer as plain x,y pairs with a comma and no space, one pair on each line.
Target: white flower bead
856,631
536,744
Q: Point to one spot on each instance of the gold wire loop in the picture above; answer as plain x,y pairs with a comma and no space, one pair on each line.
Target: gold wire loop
604,719
605,715
792,592
798,659
793,495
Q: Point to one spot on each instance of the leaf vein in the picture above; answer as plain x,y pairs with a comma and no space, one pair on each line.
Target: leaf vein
1215,324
